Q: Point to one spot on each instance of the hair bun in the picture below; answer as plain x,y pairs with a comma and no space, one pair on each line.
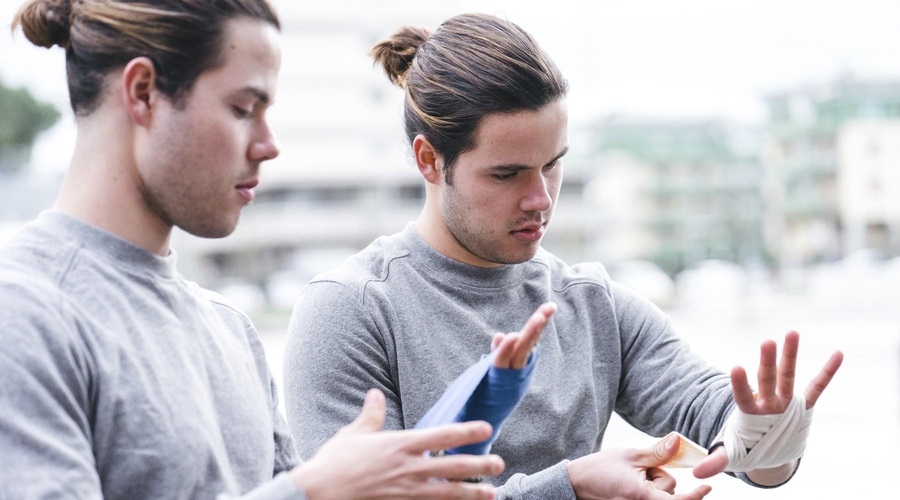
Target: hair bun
45,23
396,54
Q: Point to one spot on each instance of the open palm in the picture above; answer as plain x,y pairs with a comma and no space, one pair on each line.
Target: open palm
776,389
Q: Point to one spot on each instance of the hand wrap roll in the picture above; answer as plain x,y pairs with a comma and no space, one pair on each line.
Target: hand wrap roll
482,392
765,441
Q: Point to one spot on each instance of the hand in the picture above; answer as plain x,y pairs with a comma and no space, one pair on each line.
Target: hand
360,462
776,389
635,474
516,347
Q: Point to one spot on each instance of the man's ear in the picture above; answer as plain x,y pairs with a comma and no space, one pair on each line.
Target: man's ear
428,161
138,85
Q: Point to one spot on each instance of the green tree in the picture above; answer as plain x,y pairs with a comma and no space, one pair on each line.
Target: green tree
22,119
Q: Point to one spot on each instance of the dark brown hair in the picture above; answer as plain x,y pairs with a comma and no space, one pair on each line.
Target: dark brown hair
182,37
471,66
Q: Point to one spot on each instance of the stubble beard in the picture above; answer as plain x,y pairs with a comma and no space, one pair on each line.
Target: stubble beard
479,244
177,209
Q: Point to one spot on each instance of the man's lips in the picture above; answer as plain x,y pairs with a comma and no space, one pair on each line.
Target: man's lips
245,189
529,232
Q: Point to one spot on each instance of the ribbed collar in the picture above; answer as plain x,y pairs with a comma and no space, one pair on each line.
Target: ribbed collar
445,268
106,245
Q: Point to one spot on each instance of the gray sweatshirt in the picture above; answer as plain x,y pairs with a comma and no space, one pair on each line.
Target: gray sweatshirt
121,380
401,317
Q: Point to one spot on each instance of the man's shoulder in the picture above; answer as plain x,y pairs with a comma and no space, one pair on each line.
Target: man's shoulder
20,284
214,298
565,275
38,253
34,305
29,274
372,263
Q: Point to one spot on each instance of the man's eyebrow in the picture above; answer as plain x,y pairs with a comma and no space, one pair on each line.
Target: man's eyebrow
517,166
560,155
260,95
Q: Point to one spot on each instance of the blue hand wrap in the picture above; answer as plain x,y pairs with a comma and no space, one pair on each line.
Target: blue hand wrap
482,392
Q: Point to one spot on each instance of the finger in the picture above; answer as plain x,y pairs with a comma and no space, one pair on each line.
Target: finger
661,479
522,351
766,376
531,333
714,463
462,466
743,393
788,366
528,338
823,378
452,490
658,454
447,436
698,493
498,337
506,350
371,418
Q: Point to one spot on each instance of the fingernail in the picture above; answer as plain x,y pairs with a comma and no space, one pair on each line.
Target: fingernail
494,462
371,397
672,441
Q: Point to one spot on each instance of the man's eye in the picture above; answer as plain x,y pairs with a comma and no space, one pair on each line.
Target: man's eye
504,177
241,112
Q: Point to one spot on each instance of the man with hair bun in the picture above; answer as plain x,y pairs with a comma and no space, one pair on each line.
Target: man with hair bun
485,116
119,379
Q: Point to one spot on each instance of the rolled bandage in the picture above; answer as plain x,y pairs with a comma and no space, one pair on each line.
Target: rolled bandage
689,453
482,392
765,441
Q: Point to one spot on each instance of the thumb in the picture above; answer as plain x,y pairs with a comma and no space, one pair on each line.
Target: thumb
371,418
660,453
715,463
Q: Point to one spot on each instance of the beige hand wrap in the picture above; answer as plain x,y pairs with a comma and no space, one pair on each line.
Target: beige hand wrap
772,440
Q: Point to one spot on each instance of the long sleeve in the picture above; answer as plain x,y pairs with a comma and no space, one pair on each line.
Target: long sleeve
280,488
334,354
46,426
665,386
552,482
45,393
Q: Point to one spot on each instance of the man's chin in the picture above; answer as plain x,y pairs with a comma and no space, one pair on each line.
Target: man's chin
519,257
211,231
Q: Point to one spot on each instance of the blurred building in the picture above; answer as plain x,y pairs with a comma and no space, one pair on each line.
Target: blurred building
676,192
831,159
868,178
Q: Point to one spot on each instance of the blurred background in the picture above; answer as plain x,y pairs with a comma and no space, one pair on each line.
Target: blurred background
736,162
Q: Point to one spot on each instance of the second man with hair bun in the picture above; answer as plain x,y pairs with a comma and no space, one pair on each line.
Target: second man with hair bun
486,118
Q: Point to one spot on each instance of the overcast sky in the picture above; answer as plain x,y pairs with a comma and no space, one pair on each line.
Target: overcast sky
687,58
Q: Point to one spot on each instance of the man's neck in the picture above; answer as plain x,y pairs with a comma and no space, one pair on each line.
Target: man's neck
435,233
102,187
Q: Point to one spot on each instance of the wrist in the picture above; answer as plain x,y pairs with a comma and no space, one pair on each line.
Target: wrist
774,476
308,481
575,473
